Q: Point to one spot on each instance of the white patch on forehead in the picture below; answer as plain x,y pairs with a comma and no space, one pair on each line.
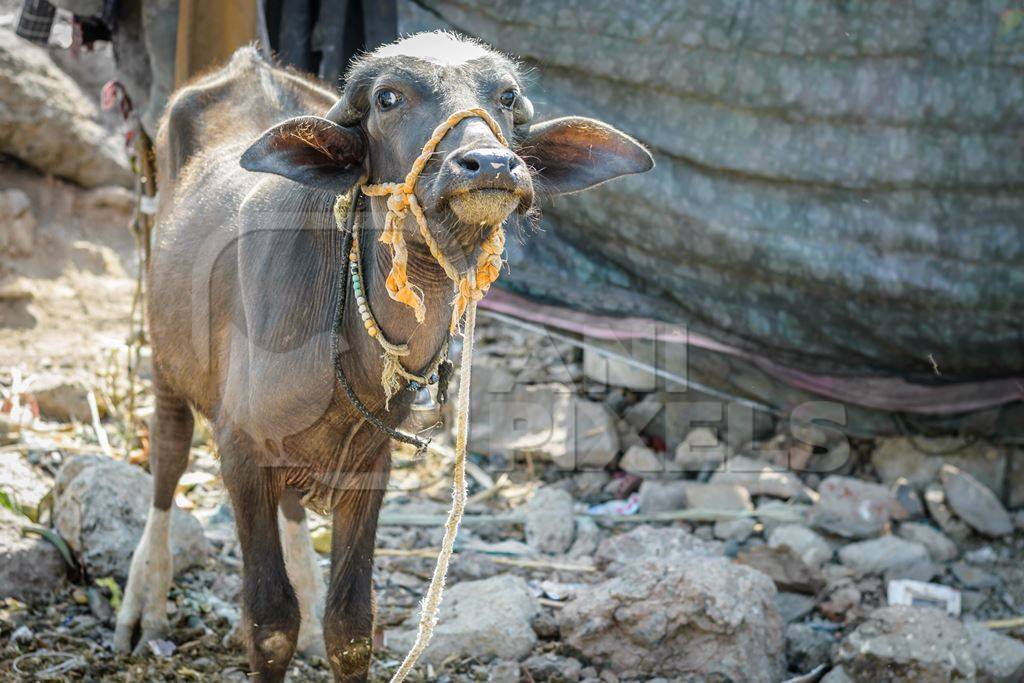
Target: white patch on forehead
445,49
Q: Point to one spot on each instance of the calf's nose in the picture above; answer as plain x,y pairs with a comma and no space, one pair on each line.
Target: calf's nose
489,162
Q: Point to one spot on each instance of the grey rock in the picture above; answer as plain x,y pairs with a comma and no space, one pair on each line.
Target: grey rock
807,647
837,675
646,544
22,482
794,606
700,451
935,501
940,547
907,502
998,658
68,140
784,566
908,644
550,667
759,478
723,623
919,462
771,512
972,577
851,507
550,523
591,439
725,497
974,502
100,509
31,569
487,618
809,545
61,398
734,529
891,556
504,672
588,535
547,421
656,495
645,463
17,223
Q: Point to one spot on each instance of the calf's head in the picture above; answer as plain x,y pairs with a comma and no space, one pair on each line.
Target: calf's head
394,98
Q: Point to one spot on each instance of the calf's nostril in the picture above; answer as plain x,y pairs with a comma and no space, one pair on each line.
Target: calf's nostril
470,164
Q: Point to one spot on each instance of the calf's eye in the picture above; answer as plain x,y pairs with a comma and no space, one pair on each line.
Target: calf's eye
508,98
386,99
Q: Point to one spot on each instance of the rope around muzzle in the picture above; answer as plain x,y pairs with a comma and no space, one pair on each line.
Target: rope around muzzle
469,289
402,200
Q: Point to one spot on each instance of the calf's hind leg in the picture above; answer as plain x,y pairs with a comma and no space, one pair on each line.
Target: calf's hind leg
149,579
303,572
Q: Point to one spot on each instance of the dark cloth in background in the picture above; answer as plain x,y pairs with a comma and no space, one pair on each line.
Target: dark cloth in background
321,36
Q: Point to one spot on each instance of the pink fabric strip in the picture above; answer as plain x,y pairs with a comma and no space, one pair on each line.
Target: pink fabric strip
881,393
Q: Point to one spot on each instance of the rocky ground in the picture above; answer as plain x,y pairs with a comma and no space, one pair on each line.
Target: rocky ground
602,542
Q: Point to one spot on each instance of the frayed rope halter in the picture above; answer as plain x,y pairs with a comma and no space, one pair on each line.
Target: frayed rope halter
469,289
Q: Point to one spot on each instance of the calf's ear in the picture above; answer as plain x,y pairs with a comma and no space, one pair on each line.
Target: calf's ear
573,153
310,150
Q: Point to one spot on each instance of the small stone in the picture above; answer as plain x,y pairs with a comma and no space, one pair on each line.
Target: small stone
550,521
700,451
851,507
807,647
809,545
837,675
940,547
734,529
31,568
60,398
545,625
726,497
551,667
974,502
22,482
891,556
843,602
998,658
794,606
17,223
644,462
784,566
974,578
487,618
935,501
504,672
759,478
662,496
588,535
646,544
908,644
906,501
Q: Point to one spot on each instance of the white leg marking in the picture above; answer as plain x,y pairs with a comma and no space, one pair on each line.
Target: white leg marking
307,581
149,580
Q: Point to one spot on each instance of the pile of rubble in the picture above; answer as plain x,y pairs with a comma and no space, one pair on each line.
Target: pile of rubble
593,549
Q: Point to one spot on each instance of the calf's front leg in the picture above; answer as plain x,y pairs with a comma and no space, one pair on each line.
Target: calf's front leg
270,610
350,610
